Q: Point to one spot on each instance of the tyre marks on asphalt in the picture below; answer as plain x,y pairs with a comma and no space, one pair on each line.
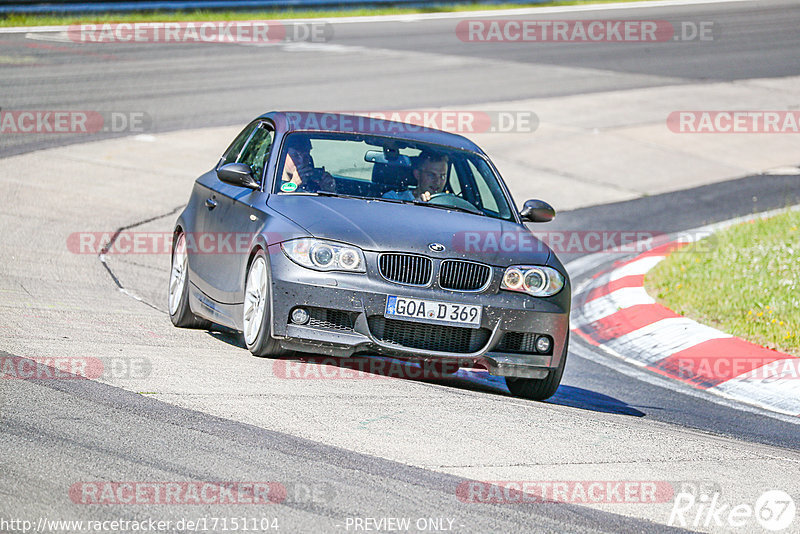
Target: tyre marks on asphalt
107,247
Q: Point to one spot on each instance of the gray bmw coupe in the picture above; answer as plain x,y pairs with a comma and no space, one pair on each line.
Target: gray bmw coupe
342,235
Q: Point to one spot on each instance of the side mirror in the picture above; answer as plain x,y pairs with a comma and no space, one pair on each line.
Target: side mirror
237,174
537,211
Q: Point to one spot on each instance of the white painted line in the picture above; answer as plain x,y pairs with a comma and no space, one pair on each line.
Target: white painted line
636,267
585,264
416,17
746,218
33,29
593,283
633,369
60,37
783,171
781,395
663,338
601,307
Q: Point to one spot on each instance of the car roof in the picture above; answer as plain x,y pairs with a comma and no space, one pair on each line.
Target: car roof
292,121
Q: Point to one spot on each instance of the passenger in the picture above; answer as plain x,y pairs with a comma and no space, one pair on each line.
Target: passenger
299,168
430,170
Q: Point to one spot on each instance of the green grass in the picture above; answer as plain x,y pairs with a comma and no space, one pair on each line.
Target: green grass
22,19
744,280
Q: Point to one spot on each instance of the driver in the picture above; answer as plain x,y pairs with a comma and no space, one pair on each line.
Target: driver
299,167
430,170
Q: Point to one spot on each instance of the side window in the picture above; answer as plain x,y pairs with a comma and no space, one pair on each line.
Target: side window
454,184
342,159
487,196
256,152
233,151
492,196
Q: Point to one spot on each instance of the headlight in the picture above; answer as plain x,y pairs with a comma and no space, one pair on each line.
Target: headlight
324,255
512,279
533,280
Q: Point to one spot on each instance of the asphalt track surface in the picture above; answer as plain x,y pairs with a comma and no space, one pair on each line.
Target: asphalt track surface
59,432
422,64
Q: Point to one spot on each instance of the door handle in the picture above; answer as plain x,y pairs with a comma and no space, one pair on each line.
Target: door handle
211,203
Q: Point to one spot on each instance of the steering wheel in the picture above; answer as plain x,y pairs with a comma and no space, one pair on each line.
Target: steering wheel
449,189
449,199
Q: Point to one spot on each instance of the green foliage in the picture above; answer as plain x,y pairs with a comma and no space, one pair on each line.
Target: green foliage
744,280
23,19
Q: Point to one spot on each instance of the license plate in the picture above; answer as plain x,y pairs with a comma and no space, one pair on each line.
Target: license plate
431,311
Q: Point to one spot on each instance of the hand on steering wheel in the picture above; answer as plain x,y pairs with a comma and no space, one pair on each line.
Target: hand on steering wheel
449,199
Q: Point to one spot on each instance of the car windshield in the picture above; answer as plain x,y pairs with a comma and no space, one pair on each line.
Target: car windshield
390,169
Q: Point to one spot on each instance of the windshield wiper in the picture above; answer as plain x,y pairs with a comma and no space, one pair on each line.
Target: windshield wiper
392,200
381,199
330,194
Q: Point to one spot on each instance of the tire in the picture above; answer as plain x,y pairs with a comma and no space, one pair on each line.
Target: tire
256,319
539,389
178,292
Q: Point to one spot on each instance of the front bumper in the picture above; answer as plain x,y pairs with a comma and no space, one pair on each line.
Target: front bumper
363,298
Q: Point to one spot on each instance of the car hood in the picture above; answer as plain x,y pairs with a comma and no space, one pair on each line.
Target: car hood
384,226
